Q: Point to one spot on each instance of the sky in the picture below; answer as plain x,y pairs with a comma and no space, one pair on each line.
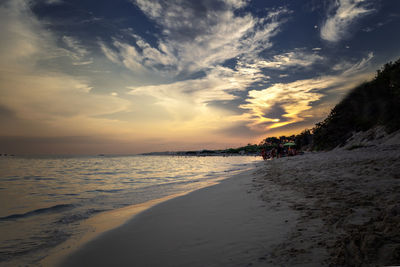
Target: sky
133,76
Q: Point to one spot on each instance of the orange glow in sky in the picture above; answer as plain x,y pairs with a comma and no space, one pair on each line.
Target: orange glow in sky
176,76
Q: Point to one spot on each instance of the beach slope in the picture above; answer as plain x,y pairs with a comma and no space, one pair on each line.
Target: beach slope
227,224
348,204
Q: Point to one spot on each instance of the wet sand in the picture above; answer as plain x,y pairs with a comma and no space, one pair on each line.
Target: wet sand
227,224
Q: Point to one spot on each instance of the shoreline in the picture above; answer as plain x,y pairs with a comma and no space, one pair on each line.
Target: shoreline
101,223
327,208
97,225
223,224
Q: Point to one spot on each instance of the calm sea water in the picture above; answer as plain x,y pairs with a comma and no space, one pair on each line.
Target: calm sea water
43,199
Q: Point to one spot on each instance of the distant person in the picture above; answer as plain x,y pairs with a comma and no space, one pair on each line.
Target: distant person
273,152
292,151
264,154
279,151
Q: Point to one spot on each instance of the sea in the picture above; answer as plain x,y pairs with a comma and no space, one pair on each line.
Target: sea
44,199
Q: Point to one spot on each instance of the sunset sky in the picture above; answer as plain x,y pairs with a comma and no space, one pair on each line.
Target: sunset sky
132,76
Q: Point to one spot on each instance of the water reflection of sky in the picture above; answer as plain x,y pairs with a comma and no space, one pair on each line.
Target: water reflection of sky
45,198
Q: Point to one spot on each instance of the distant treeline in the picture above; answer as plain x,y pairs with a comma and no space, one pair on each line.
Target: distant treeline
244,150
374,103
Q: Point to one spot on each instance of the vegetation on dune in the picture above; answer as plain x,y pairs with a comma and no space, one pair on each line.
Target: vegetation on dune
371,104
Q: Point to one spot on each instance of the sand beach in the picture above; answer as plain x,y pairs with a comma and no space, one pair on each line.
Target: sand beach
337,208
348,203
227,224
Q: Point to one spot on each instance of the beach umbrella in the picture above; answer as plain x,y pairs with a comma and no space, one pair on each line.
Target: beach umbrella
290,144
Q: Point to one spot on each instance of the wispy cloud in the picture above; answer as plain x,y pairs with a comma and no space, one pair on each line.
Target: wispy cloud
348,68
140,56
296,58
196,36
16,25
54,2
76,51
360,66
110,54
340,16
44,100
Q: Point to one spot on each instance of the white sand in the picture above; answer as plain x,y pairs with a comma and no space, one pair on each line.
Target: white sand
349,205
337,208
223,225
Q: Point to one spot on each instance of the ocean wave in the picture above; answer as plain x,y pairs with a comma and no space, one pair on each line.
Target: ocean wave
71,218
91,188
105,190
38,178
56,208
177,183
34,242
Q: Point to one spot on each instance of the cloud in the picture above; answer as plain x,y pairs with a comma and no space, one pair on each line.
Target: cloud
282,104
54,2
76,51
48,101
189,98
140,57
360,66
348,68
196,36
42,99
340,16
202,77
21,34
296,58
109,53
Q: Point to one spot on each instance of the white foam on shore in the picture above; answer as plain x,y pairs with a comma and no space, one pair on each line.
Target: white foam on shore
99,224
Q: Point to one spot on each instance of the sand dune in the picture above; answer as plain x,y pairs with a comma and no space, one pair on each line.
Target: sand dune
349,206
